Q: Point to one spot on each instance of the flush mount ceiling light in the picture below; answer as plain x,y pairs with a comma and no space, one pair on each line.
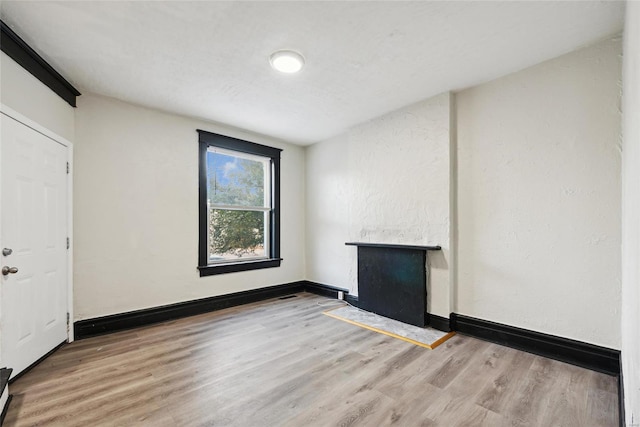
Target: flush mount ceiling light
287,61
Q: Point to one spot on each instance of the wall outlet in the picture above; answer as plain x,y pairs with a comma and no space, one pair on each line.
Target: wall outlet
340,295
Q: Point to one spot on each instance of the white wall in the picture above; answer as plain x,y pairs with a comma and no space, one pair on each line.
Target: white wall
538,178
385,181
631,216
25,94
328,189
136,211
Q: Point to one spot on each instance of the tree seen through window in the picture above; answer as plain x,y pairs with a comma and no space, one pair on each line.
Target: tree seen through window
238,205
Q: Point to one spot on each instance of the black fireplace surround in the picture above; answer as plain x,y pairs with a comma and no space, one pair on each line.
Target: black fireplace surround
392,280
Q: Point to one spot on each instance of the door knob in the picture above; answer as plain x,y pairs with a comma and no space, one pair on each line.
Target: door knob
7,251
9,270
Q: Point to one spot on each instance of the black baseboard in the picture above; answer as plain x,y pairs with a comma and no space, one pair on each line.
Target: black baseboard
5,374
440,323
352,299
578,353
5,409
133,319
324,290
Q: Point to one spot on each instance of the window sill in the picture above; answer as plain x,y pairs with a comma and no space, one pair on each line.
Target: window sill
210,270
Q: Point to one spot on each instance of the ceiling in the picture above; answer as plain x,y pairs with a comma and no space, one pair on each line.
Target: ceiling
210,59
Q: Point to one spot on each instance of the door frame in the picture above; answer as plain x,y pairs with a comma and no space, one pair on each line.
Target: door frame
12,114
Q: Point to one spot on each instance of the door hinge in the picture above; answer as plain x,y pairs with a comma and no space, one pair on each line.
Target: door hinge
68,318
68,243
67,168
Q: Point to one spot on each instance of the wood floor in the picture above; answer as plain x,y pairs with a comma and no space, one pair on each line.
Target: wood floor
283,363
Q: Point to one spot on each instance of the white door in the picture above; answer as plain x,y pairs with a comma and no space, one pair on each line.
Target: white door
33,240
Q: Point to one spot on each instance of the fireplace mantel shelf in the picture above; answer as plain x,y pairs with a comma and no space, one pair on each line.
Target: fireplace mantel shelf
394,246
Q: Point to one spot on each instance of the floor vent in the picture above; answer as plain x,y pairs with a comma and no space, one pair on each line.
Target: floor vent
289,296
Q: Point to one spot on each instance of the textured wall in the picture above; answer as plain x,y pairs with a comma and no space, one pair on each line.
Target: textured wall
28,96
385,181
136,211
539,197
631,216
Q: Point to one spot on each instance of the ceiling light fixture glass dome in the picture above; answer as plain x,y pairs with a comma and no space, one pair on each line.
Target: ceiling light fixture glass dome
287,61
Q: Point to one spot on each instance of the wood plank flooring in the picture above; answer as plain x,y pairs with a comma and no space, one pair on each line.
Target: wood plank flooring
283,363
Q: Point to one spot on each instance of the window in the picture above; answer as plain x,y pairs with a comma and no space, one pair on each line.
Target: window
239,205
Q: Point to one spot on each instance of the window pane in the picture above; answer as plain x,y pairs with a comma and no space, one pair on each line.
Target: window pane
236,234
234,180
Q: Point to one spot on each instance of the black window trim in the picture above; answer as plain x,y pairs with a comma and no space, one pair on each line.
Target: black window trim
208,139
